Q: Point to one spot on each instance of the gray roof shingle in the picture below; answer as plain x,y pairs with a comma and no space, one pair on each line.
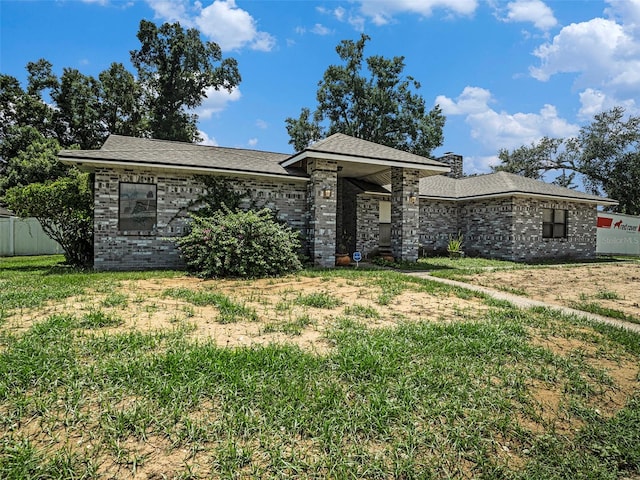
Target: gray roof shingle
341,144
499,184
121,149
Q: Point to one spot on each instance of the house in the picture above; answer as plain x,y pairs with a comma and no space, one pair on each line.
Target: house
339,191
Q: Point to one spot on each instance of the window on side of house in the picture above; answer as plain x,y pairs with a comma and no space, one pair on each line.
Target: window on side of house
138,207
554,223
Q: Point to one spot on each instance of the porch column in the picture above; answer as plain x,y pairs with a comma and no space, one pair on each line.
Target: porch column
323,194
405,213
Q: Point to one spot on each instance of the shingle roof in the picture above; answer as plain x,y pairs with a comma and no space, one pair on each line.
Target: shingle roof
163,153
499,184
341,144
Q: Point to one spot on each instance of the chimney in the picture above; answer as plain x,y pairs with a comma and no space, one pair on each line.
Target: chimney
455,162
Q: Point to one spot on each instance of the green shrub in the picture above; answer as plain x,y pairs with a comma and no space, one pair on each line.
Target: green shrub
240,244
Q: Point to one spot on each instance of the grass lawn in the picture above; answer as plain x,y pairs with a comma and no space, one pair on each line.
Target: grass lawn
453,385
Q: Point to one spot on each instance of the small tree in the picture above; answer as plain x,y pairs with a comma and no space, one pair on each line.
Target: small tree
64,208
240,244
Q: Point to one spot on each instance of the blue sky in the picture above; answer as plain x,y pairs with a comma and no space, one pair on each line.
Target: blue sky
505,73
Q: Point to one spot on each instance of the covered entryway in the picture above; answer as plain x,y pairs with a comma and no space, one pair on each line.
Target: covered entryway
345,174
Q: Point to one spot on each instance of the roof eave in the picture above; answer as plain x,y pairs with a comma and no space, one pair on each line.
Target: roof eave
598,201
97,162
310,153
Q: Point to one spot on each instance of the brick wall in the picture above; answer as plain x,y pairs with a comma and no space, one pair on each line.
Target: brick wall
487,227
368,217
405,213
528,241
438,220
323,175
117,250
507,228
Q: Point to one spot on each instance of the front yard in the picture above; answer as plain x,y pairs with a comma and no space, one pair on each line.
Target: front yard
325,374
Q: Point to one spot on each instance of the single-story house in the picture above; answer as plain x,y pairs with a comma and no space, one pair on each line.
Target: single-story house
340,193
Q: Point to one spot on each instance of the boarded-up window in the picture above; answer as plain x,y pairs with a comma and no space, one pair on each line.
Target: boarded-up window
138,207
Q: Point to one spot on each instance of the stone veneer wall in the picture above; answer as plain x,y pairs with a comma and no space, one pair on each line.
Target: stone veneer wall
347,215
322,211
368,223
405,216
511,229
115,250
438,220
487,227
528,241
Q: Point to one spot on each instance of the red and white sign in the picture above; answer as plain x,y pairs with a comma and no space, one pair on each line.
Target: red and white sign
618,234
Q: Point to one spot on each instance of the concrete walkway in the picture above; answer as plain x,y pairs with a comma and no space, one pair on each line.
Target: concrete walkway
523,302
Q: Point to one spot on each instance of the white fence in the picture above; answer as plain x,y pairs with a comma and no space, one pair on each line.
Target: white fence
618,234
25,237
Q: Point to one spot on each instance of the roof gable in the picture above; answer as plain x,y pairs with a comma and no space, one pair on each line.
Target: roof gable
342,144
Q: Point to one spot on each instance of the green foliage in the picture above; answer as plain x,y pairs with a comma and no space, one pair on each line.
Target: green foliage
99,319
30,158
379,105
166,61
230,311
64,208
122,111
318,300
606,153
217,194
240,244
455,243
78,116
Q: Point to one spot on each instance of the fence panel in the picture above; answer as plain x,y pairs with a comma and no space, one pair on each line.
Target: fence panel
25,237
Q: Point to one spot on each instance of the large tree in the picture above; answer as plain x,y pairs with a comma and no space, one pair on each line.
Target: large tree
175,68
369,99
606,153
121,109
78,119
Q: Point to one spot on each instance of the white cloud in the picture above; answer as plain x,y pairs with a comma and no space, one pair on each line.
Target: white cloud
471,100
626,12
261,124
382,11
479,164
604,56
172,11
217,101
231,27
343,15
599,50
252,142
595,101
534,11
222,21
320,29
207,140
497,130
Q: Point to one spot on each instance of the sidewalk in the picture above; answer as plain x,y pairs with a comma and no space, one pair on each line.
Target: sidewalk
523,302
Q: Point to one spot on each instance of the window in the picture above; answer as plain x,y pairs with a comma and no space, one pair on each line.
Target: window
554,223
138,207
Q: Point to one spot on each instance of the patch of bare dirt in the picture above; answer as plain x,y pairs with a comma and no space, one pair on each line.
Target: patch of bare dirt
610,285
146,307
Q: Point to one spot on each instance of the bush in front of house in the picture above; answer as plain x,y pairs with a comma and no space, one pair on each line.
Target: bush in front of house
240,244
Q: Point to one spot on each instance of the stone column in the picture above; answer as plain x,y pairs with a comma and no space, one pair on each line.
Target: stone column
323,194
405,213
